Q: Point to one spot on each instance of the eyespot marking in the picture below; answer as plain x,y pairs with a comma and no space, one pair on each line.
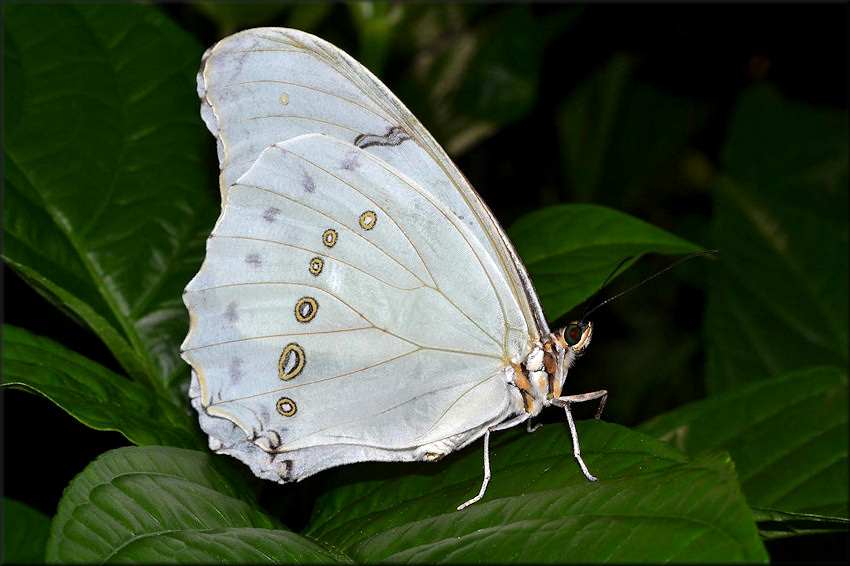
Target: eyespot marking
316,265
305,309
286,406
329,238
368,220
292,361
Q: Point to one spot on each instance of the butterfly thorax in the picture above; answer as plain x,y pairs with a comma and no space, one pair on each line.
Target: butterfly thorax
540,376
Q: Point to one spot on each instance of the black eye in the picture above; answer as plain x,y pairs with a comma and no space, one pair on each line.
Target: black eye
572,333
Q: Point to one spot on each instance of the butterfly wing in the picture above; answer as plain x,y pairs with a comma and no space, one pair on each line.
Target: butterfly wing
343,313
265,85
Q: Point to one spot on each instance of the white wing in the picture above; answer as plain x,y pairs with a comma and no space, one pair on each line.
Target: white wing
344,313
266,85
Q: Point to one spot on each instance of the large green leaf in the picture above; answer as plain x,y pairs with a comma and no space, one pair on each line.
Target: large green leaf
25,532
788,437
777,524
375,24
649,504
623,142
167,504
570,249
157,504
620,137
93,394
231,17
588,121
778,299
106,210
474,69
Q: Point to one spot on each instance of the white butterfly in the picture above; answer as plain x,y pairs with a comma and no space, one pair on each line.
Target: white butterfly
358,300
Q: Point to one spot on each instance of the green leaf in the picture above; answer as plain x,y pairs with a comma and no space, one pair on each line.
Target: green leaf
776,524
778,299
25,533
106,208
158,504
540,508
500,83
231,17
787,436
570,249
587,123
620,136
375,23
474,69
92,394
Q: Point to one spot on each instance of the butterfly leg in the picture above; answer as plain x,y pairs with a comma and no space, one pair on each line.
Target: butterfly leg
602,395
530,428
565,403
501,426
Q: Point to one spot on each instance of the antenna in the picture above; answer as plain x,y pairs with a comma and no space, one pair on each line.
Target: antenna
607,280
650,278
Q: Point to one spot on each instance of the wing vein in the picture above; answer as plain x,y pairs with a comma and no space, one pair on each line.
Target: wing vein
428,197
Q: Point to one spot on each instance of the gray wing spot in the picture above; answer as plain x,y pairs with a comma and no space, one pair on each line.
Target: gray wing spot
253,260
270,214
231,314
308,183
235,370
395,136
351,161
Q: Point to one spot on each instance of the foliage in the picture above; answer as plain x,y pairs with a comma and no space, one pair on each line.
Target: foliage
109,194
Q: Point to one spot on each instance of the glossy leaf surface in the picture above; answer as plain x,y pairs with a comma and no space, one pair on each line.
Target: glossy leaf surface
105,209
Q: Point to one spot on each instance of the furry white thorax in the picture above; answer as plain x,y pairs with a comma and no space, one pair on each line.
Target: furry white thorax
540,377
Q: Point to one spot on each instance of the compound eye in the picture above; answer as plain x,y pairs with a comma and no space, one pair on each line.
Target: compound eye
573,333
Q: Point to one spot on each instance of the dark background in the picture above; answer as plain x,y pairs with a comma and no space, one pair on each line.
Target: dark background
704,53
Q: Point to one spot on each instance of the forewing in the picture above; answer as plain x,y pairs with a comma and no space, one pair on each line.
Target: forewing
267,85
